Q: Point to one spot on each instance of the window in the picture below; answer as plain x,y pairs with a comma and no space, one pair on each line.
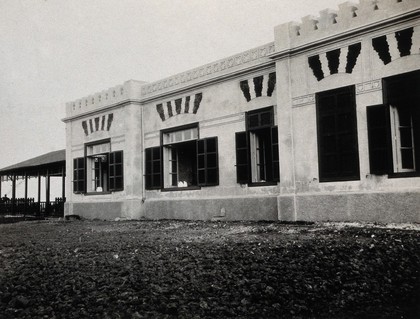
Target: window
183,161
97,161
104,170
98,172
394,127
338,155
402,139
257,153
180,157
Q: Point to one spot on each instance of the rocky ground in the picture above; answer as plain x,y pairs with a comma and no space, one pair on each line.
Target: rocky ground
175,269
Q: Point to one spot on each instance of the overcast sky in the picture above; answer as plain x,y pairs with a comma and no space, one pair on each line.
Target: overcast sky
55,51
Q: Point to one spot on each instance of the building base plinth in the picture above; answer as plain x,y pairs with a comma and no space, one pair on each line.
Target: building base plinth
382,207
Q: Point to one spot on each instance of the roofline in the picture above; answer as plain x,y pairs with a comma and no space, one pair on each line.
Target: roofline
269,64
349,34
16,167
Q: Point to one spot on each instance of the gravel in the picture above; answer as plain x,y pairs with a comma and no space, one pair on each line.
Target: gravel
192,269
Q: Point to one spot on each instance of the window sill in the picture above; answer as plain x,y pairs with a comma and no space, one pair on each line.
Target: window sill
97,193
258,184
175,189
341,179
404,174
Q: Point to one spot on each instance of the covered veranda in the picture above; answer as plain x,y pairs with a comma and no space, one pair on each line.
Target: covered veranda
45,167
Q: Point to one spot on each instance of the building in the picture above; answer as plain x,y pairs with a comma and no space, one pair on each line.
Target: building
321,124
41,168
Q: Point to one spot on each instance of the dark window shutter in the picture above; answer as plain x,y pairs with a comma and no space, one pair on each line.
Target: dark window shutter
416,131
207,162
116,171
79,175
153,168
379,135
338,153
242,161
275,153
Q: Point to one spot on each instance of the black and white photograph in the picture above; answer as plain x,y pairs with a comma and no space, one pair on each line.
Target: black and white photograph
209,159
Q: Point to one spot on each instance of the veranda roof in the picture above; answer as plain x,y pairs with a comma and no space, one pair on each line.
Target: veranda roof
49,159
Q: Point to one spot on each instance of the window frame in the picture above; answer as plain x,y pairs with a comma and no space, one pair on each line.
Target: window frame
405,88
165,163
149,160
163,145
245,164
397,147
87,161
101,168
409,81
110,154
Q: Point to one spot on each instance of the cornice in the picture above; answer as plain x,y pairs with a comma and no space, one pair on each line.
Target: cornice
206,82
358,31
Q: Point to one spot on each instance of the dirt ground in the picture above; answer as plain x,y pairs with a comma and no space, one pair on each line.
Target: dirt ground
189,269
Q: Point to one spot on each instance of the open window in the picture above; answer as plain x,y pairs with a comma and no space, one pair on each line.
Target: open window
99,171
257,153
394,128
402,121
180,157
183,161
97,162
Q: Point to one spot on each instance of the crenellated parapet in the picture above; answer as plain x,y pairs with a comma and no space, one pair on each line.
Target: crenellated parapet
129,90
232,64
349,16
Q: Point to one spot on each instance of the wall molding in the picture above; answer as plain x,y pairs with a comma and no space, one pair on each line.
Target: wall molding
361,88
223,120
303,100
152,135
369,86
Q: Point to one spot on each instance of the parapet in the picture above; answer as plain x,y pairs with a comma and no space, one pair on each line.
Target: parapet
330,23
141,91
129,90
226,66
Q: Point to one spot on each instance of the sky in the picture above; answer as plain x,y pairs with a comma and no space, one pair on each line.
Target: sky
55,51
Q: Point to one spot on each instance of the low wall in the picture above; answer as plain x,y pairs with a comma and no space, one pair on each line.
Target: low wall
100,210
382,207
233,208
